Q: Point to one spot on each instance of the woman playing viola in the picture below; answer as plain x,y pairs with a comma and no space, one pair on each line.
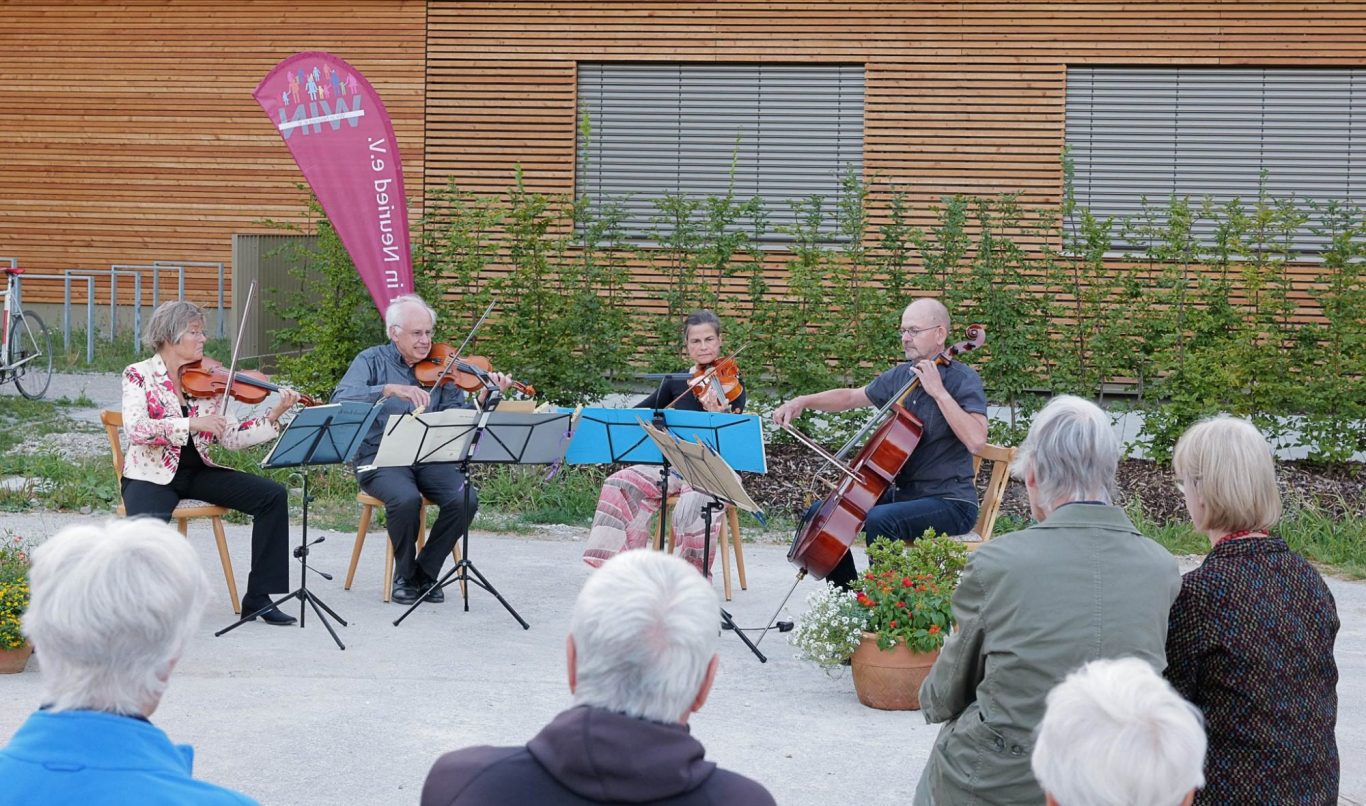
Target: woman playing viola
166,460
631,496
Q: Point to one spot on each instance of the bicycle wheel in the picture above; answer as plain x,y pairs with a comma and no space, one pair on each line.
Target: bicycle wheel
30,355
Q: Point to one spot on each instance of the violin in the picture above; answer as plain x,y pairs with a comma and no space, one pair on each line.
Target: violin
445,365
825,536
206,378
721,376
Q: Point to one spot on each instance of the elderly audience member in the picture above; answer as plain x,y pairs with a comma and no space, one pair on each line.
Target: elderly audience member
1251,635
1115,734
1033,605
642,658
112,610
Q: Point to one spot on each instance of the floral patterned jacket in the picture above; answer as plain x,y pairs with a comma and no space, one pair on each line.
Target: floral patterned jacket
156,431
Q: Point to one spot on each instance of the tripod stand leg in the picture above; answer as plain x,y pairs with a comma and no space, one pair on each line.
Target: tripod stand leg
729,622
258,611
313,600
484,583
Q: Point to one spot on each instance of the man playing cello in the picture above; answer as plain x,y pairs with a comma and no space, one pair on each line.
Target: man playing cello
935,487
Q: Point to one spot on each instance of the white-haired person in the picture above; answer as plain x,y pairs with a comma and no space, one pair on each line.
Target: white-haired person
642,658
1116,734
388,372
167,459
113,608
1078,585
1251,635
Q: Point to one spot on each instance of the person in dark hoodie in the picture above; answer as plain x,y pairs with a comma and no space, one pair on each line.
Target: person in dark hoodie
642,658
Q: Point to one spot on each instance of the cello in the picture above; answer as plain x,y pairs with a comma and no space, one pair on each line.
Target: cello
830,530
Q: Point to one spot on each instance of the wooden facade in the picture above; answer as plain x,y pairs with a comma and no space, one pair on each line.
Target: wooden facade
132,135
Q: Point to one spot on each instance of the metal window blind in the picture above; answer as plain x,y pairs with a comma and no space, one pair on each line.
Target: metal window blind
780,132
1196,132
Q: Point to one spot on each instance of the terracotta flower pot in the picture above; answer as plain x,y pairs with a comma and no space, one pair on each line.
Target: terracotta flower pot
890,679
13,661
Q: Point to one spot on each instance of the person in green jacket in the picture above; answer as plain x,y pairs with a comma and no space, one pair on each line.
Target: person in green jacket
1034,605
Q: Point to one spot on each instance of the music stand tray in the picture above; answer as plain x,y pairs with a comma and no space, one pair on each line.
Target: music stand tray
464,436
320,435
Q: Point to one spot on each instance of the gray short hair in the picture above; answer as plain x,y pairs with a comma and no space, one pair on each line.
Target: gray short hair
170,322
1117,734
644,629
393,315
113,606
1073,451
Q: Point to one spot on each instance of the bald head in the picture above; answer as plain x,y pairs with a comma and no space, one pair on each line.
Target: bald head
929,312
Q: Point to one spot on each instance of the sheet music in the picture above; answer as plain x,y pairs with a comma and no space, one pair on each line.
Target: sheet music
703,468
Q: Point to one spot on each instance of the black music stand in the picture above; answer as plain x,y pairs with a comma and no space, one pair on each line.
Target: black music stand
320,435
703,469
464,436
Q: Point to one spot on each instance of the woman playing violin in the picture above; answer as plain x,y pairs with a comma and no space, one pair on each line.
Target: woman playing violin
631,496
166,461
388,372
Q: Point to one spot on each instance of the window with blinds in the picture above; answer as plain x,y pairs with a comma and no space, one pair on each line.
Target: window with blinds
780,132
1196,132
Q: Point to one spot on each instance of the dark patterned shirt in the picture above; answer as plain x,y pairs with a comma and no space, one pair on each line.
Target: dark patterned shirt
1250,642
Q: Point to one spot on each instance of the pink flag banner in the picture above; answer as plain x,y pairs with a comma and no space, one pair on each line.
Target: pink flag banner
339,133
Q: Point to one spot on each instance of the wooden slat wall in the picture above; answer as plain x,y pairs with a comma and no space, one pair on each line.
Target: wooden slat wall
131,134
964,97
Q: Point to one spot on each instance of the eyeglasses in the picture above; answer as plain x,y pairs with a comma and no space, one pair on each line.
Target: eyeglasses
914,331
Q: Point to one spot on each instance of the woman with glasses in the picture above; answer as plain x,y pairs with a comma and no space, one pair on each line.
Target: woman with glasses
631,496
167,458
934,489
1250,639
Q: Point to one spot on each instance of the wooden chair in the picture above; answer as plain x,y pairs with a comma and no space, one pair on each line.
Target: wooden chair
992,496
730,523
184,511
368,503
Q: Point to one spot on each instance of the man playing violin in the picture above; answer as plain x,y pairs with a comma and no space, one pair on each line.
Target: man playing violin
935,487
166,459
388,372
631,495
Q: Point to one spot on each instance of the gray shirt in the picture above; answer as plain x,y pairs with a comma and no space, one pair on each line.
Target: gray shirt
940,466
365,380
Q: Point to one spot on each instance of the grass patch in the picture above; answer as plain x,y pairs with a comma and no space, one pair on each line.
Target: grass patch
113,356
569,497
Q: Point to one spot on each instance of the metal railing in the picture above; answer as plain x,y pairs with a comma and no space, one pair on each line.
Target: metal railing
114,272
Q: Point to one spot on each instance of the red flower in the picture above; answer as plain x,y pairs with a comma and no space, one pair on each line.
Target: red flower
893,624
907,582
864,600
934,628
901,605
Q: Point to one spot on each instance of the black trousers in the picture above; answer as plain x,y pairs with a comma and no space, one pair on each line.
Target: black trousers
401,489
264,500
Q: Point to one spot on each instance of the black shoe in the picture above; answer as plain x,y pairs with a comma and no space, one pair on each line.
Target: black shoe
405,592
271,615
437,595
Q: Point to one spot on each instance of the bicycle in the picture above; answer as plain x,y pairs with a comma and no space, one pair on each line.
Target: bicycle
25,344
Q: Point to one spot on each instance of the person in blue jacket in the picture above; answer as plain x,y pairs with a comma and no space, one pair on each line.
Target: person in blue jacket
113,606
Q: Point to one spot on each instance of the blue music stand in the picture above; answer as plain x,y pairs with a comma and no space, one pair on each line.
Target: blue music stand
605,435
320,435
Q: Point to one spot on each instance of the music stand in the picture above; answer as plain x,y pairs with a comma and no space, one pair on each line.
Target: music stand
319,435
463,436
703,469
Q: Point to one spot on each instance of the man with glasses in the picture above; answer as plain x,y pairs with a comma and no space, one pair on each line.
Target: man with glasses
386,372
935,487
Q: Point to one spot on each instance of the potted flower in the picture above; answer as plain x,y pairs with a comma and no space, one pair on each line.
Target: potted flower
14,564
906,596
890,627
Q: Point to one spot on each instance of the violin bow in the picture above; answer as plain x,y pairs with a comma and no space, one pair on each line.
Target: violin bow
706,376
237,345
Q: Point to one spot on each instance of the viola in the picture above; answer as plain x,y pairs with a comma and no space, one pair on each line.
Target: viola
826,535
445,365
206,378
721,376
